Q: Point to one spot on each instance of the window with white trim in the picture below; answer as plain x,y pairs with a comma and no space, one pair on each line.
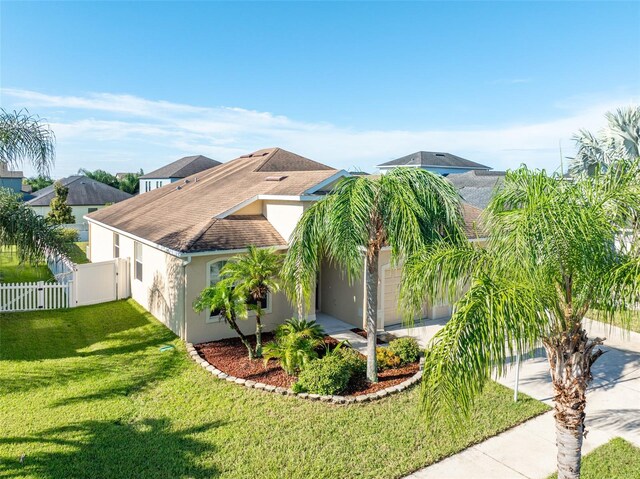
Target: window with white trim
116,245
137,254
213,277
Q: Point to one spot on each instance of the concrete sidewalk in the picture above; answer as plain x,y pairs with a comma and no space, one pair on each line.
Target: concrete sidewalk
529,450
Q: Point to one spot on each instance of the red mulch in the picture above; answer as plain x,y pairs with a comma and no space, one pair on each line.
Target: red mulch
231,357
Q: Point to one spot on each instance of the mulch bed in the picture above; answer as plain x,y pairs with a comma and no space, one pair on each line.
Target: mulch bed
231,357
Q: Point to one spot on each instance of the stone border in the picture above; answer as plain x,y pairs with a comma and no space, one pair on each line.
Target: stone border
193,354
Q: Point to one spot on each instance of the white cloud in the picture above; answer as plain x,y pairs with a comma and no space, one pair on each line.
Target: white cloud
112,131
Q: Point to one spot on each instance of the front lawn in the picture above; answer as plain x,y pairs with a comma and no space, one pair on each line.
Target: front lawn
91,393
617,459
12,272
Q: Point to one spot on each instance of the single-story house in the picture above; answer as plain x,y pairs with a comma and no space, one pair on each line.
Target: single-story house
177,238
85,196
436,162
175,171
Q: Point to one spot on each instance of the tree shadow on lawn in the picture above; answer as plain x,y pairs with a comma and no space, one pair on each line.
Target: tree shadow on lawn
149,448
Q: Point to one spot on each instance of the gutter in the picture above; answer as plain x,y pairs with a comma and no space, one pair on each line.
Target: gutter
183,320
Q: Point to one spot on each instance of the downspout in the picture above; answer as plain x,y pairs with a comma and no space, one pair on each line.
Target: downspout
183,320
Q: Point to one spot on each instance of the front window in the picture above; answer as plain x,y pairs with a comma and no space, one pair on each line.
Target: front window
138,260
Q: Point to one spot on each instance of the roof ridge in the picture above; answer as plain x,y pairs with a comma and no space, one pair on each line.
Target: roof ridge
267,158
200,233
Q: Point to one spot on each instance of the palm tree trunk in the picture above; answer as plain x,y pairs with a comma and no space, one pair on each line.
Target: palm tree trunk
571,355
372,315
243,338
258,335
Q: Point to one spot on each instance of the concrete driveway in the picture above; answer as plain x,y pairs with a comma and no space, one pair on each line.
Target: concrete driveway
529,450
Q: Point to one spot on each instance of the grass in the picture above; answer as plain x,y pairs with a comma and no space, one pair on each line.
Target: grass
617,459
88,393
12,272
629,320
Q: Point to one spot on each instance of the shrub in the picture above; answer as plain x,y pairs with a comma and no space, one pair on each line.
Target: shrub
309,329
387,359
356,363
294,350
69,235
326,376
406,348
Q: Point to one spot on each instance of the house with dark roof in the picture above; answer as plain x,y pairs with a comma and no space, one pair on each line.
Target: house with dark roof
10,179
85,196
178,237
437,162
178,170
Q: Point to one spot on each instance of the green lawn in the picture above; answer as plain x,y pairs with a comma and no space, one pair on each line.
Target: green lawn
631,321
78,252
617,459
88,393
12,272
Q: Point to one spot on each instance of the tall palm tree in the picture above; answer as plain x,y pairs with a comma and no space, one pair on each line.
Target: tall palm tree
550,258
256,274
619,140
229,303
404,210
26,137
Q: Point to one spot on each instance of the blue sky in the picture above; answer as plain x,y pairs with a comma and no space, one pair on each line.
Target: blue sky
130,85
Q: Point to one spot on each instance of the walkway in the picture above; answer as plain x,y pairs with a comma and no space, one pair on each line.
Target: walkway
529,450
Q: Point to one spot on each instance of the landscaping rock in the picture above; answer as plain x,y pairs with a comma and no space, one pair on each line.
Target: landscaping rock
259,385
231,379
223,376
290,392
240,381
280,390
250,384
382,393
363,398
303,395
338,399
314,397
325,398
210,368
269,388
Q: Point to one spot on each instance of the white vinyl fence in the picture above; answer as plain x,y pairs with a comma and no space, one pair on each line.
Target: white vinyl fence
35,296
76,285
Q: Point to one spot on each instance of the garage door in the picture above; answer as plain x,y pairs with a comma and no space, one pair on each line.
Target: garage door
390,294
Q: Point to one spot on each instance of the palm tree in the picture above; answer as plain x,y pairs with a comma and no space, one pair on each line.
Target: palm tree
403,209
255,274
550,258
619,140
31,234
26,137
229,303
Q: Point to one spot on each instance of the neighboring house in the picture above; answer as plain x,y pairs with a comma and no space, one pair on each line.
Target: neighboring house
176,171
441,163
477,187
178,237
10,179
85,196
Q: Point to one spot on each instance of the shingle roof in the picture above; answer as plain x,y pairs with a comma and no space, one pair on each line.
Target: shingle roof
477,187
183,216
83,191
472,223
434,159
187,166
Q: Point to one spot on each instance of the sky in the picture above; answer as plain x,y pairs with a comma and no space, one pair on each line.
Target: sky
130,85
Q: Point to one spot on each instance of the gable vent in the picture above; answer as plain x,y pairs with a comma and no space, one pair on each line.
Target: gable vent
439,154
274,178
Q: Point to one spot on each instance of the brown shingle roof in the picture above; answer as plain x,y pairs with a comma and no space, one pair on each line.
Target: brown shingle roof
183,216
472,224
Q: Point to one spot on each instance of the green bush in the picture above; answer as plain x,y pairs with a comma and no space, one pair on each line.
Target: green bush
294,351
387,359
406,348
356,363
69,235
326,376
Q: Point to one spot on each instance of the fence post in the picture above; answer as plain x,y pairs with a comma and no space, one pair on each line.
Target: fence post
40,295
70,294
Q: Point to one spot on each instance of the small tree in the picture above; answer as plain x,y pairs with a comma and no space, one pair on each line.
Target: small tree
38,182
229,303
61,212
255,275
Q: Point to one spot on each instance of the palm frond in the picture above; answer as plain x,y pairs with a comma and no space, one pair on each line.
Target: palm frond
26,137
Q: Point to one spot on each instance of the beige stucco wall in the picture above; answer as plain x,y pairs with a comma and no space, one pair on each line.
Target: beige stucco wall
284,215
340,298
199,330
254,208
160,291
